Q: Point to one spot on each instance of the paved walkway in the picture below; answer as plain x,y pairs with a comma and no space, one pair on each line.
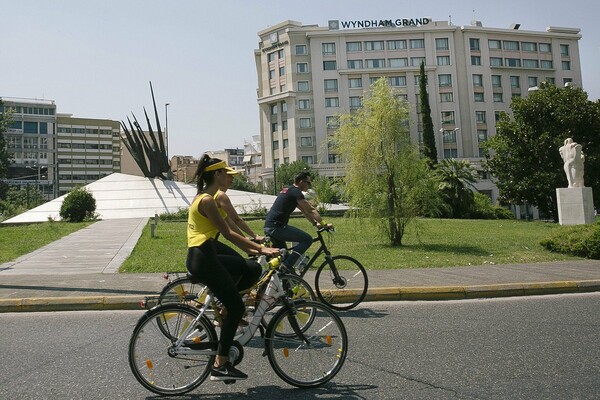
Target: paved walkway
78,272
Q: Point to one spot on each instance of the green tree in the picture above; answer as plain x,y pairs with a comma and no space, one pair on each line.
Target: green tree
240,182
386,178
286,172
5,121
457,179
429,149
79,205
523,155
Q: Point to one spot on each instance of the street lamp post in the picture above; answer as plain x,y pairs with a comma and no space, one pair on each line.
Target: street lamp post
167,128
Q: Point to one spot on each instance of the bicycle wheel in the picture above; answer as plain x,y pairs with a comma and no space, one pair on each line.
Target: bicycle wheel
180,290
298,289
341,282
313,357
154,361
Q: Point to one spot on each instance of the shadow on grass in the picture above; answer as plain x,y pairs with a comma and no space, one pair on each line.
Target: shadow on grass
438,248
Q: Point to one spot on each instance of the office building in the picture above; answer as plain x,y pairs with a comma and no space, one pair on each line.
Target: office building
308,75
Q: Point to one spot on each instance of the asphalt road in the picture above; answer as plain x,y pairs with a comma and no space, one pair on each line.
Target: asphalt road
522,348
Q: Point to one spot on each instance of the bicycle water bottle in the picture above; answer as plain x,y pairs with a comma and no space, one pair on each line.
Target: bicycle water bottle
301,263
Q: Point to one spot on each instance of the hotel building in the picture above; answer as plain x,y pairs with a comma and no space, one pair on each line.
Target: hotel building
308,75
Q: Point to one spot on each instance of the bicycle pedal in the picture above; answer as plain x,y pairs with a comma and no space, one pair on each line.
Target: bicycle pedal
229,381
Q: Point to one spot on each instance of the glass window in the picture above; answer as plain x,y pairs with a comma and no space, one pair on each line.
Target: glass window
331,85
567,80
307,159
273,109
479,97
284,107
564,50
495,62
498,98
396,44
397,80
376,63
301,50
306,141
510,45
304,104
448,117
397,62
305,122
353,46
332,102
284,124
374,45
530,63
281,71
474,44
566,65
43,128
532,81
513,62
275,144
528,46
328,49
480,116
281,54
482,135
274,127
545,48
496,81
30,127
449,136
450,153
477,80
302,68
355,101
546,64
445,80
417,43
494,44
475,60
286,143
329,65
355,82
332,122
355,64
443,60
446,97
515,82
441,44
417,61
303,86
271,56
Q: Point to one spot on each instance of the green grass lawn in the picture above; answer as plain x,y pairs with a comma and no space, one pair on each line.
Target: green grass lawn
17,240
436,243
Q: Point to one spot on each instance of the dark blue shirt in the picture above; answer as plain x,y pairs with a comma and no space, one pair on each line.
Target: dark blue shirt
284,205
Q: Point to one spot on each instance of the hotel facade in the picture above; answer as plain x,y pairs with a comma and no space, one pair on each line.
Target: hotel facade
308,75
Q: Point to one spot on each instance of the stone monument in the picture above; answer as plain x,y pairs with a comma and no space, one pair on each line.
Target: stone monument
575,203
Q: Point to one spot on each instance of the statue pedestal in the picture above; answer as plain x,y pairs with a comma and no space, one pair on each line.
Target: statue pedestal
575,206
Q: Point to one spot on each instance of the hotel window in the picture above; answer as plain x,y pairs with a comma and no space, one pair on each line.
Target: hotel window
515,82
446,97
332,122
304,104
532,81
495,62
376,63
450,153
480,117
307,159
284,124
330,85
449,136
303,86
475,60
477,80
274,127
274,109
513,62
328,49
417,61
417,43
355,83
271,57
441,44
302,68
566,65
286,144
445,80
284,107
374,79
397,80
306,141
281,71
567,80
494,44
353,46
498,98
545,48
275,145
403,97
43,128
530,63
546,64
528,46
334,158
448,117
281,54
478,97
397,62
305,123
551,80
355,102
374,45
515,96
511,45
482,135
443,60
564,50
301,50
396,44
30,127
332,102
496,81
474,44
329,65
355,64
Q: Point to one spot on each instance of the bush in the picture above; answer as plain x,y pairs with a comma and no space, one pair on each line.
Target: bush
485,210
179,215
580,241
79,205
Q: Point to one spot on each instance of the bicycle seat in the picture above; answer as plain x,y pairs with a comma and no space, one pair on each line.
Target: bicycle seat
192,278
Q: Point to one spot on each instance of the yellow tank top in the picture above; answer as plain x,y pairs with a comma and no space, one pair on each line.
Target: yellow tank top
199,228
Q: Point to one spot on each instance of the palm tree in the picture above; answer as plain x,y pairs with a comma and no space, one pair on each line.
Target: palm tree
457,179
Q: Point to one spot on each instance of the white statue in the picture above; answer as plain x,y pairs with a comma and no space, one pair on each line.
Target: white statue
573,159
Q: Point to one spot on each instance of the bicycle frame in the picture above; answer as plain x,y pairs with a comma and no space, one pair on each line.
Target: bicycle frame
322,249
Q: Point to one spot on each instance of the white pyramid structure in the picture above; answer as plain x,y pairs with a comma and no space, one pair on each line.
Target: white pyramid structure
129,196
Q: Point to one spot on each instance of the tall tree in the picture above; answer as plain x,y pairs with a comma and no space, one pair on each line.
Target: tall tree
457,179
386,178
523,155
5,121
429,149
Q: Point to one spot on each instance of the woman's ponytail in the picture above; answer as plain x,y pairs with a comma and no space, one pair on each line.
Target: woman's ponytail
204,178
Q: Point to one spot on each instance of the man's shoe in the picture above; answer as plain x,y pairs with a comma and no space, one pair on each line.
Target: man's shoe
226,372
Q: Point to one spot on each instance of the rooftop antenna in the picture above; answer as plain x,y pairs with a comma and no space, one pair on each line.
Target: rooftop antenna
450,19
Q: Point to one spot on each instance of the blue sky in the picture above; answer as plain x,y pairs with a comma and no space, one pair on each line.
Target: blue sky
95,58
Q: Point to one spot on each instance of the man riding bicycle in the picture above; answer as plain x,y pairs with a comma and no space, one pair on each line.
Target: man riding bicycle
276,222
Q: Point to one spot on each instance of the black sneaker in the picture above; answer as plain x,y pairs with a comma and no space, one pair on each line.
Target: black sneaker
226,372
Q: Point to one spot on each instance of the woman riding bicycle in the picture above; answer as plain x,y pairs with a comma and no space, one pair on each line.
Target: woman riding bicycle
215,264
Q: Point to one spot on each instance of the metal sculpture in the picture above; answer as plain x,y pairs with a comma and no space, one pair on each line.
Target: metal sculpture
149,153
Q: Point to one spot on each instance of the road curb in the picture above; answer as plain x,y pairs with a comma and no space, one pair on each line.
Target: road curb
428,293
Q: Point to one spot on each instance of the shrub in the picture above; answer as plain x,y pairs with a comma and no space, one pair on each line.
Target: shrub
179,215
485,210
580,240
79,205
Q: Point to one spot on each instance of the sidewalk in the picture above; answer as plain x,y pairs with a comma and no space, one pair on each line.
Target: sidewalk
78,272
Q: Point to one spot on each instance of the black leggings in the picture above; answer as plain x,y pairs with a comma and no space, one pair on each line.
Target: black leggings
226,273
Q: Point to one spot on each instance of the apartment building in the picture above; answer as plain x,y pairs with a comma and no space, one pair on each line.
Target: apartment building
308,75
